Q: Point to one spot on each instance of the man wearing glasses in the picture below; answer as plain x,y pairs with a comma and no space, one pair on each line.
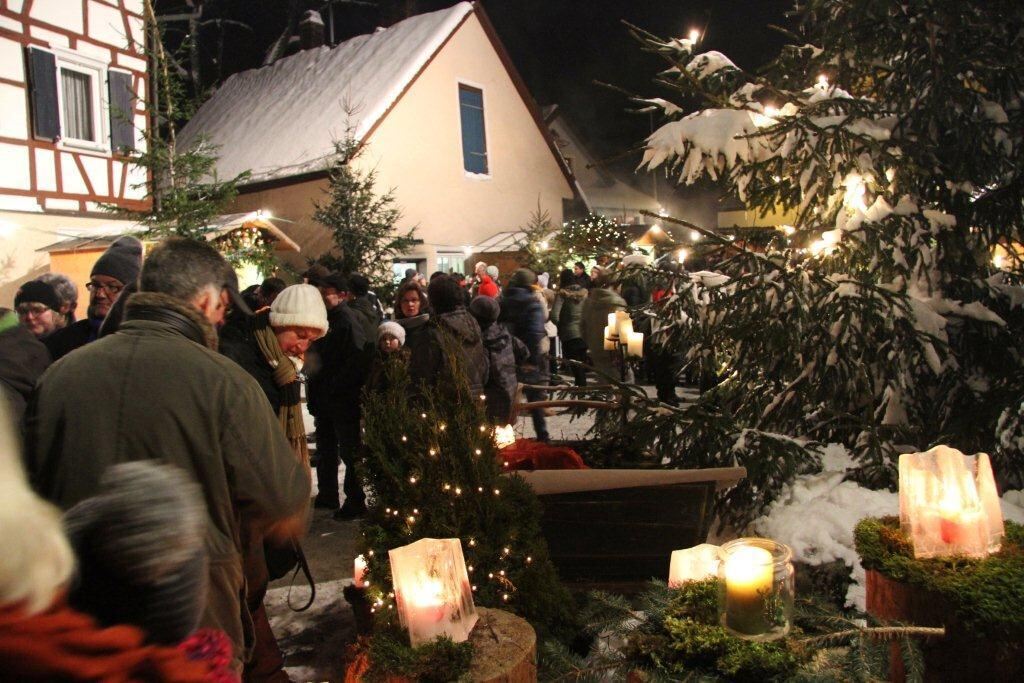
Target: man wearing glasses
117,268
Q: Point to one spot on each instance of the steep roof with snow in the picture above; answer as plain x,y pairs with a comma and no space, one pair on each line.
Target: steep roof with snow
282,120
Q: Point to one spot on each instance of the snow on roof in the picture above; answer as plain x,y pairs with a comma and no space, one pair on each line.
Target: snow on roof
507,241
283,119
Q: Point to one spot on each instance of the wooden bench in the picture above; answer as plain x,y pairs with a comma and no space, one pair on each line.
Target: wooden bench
606,526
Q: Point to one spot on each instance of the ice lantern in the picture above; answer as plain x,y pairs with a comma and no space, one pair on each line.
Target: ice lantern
949,504
432,590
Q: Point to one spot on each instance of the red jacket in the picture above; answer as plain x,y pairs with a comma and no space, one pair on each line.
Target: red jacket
487,287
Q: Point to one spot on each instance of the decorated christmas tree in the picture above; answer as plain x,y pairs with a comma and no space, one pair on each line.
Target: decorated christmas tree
887,314
434,472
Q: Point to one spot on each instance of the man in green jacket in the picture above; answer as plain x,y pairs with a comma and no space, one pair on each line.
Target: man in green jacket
157,389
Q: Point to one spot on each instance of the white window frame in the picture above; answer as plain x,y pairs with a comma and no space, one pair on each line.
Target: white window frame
97,71
459,82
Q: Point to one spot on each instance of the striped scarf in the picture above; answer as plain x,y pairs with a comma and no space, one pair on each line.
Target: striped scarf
287,378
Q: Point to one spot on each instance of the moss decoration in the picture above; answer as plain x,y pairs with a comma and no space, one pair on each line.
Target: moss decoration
438,661
987,595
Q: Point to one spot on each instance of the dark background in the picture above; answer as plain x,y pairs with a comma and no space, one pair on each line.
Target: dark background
560,47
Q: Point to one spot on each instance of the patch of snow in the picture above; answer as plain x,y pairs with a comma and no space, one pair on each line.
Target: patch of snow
708,63
816,515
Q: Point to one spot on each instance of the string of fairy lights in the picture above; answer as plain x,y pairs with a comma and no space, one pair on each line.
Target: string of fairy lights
406,521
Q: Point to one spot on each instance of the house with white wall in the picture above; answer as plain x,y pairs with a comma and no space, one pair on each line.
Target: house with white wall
443,118
73,81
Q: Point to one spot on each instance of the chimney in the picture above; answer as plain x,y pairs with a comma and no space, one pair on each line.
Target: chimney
311,30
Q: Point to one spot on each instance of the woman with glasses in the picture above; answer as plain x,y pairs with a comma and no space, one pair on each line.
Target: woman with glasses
38,308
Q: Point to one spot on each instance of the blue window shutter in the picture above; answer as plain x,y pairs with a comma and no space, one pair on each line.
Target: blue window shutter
42,77
122,99
474,139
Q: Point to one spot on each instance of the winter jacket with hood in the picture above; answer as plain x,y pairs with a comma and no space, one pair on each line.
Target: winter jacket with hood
596,307
504,353
158,389
523,314
427,355
567,313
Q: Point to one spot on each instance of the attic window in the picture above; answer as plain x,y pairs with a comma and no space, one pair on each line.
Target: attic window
474,141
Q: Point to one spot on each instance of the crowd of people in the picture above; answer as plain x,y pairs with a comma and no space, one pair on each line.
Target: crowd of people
160,443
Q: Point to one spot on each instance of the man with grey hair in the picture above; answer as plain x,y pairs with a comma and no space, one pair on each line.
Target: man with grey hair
157,390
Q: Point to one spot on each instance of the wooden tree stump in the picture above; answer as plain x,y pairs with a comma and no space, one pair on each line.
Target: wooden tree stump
504,649
960,655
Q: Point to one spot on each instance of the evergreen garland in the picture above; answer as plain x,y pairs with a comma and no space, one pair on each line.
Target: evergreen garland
432,472
672,634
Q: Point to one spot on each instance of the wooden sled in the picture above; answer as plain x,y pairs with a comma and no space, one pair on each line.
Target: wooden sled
606,526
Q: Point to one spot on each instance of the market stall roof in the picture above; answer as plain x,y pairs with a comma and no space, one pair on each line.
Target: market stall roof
102,238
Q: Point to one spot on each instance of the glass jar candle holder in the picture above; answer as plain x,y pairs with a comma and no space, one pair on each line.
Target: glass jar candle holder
756,588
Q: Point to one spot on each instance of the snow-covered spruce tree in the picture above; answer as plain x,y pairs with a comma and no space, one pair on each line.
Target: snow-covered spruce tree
361,221
893,132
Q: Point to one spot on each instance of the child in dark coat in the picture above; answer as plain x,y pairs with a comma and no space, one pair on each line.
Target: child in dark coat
504,352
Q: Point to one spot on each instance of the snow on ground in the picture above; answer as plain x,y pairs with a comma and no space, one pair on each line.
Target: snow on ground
315,640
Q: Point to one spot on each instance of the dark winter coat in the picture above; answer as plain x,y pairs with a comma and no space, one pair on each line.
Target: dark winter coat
427,349
523,314
367,315
23,358
337,366
74,336
504,354
157,389
567,313
596,307
238,342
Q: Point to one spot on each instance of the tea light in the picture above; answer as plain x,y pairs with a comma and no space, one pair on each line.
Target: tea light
425,604
359,572
693,564
748,581
635,344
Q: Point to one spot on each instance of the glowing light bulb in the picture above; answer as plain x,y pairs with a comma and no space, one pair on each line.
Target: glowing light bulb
681,255
771,111
694,35
694,236
823,80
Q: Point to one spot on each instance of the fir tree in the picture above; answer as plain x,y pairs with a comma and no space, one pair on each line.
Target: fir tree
361,221
538,246
433,472
182,186
590,238
893,133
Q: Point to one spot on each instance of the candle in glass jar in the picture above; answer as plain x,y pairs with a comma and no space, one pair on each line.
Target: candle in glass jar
635,344
359,572
748,583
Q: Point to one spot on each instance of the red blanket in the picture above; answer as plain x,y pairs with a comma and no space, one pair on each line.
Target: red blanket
527,454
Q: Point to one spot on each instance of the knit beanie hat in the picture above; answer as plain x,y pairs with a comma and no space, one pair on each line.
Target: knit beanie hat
485,308
392,328
122,260
299,306
493,272
141,553
524,278
37,292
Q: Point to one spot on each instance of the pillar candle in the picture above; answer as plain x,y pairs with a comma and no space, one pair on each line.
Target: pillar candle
625,328
359,572
609,342
693,564
635,344
748,582
613,323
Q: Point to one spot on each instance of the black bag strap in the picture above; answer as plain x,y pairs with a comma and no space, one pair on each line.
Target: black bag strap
303,565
